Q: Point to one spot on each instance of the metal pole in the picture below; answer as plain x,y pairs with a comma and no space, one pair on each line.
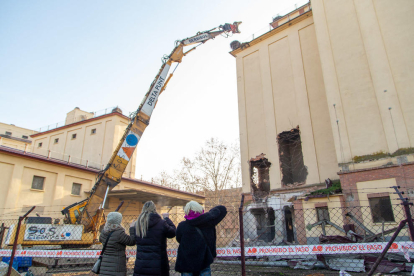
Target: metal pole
377,262
407,211
409,219
106,194
395,133
3,229
16,237
120,205
243,264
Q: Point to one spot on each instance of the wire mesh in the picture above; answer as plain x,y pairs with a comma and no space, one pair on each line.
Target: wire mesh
284,241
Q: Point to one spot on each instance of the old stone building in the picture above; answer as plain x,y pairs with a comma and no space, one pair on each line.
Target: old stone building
57,167
327,93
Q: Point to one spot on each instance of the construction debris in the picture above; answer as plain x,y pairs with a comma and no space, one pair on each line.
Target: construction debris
355,265
259,176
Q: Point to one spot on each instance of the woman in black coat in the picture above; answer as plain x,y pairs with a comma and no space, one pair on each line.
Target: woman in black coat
151,233
197,251
114,259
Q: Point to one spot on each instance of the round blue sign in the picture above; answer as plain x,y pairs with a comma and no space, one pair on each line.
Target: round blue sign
132,140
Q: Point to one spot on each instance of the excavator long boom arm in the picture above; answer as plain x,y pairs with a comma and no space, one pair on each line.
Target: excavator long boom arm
91,209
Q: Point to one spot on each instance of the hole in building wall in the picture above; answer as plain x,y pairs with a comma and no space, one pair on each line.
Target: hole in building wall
289,225
259,176
291,162
265,223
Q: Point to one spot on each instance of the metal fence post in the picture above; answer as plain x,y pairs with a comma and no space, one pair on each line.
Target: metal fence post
394,236
16,237
3,229
408,220
243,264
406,204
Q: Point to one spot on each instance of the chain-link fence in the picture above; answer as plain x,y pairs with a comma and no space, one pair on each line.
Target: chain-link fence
334,239
286,241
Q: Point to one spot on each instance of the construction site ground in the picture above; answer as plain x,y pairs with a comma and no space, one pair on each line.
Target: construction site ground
221,269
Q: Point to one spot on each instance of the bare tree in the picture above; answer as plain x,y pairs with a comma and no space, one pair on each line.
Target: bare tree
188,177
218,165
166,180
214,168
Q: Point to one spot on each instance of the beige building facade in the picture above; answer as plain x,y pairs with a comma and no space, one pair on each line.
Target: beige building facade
85,140
338,71
327,94
50,184
367,64
15,137
58,167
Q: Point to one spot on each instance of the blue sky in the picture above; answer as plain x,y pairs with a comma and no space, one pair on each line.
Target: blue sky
58,55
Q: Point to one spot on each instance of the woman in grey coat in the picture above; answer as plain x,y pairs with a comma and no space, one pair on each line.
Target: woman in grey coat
114,258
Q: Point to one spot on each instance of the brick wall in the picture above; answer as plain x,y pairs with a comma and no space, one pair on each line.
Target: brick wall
403,174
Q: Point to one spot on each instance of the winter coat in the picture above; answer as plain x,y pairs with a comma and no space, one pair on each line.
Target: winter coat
152,256
192,251
114,259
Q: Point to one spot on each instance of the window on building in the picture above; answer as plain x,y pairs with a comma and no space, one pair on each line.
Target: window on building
25,137
74,136
322,213
381,209
56,140
8,133
93,131
40,145
291,157
38,182
76,188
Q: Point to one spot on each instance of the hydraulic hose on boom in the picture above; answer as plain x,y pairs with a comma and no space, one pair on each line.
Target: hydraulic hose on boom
90,211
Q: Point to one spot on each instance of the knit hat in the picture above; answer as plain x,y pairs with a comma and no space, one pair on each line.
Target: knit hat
114,218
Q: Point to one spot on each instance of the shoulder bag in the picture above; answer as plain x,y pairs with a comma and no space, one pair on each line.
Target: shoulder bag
204,238
97,266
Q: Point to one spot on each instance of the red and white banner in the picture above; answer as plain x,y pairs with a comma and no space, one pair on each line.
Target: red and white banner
345,248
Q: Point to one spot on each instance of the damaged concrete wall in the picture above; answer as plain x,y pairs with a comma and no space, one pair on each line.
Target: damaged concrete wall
259,177
292,167
279,226
273,89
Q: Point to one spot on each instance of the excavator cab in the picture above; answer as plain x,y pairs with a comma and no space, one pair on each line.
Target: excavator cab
76,214
73,213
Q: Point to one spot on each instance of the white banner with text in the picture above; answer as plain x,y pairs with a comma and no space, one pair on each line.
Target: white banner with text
347,248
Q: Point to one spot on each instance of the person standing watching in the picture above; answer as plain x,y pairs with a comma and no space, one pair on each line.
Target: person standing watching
197,238
151,233
114,258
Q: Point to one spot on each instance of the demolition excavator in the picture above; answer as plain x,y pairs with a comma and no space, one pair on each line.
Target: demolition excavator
83,220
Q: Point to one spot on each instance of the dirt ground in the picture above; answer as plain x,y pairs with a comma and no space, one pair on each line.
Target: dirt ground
222,270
